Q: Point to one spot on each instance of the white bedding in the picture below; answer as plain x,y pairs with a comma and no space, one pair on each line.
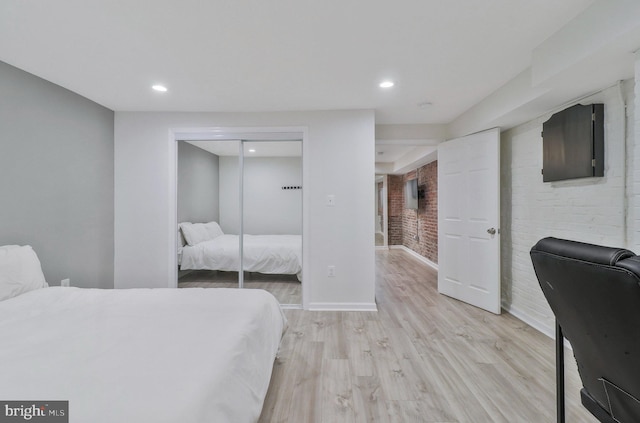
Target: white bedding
141,355
271,254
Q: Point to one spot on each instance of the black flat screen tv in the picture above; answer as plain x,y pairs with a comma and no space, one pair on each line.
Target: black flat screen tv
411,194
573,143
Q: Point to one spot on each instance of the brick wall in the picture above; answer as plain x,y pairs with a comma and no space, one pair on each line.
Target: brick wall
590,210
405,223
395,196
429,212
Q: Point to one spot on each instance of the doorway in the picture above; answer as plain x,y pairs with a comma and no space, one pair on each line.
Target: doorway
381,222
256,185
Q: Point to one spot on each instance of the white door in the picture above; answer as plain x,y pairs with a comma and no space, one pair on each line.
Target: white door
469,218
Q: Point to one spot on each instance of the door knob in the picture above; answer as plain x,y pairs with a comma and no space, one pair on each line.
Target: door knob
491,231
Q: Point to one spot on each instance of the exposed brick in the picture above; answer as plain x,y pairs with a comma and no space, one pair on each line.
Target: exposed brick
405,223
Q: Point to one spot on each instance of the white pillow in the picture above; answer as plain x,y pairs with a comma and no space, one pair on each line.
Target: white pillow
20,271
195,233
8,247
181,241
213,230
192,234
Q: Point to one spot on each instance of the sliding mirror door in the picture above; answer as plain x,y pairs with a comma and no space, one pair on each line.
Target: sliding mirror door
272,218
208,213
227,188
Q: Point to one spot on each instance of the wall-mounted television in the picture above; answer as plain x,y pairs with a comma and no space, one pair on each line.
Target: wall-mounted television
411,194
573,143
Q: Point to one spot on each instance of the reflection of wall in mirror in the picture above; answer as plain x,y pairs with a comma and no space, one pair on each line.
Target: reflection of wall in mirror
268,209
197,184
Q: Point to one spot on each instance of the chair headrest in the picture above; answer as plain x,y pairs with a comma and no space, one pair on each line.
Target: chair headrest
582,251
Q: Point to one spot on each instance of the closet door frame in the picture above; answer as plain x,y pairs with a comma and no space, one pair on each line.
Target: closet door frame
298,133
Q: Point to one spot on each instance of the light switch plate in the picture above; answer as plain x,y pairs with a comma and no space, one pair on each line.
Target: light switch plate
331,200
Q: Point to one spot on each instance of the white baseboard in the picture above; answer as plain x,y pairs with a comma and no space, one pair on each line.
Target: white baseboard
343,307
382,247
550,332
537,325
291,306
416,255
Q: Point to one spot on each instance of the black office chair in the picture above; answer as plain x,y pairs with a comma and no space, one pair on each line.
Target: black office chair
594,292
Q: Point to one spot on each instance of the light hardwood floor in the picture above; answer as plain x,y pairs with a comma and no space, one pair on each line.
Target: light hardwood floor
286,288
422,357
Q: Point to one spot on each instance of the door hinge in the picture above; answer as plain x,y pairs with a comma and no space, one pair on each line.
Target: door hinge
593,162
593,116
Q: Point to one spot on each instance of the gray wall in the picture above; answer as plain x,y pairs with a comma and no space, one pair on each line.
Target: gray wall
57,178
197,184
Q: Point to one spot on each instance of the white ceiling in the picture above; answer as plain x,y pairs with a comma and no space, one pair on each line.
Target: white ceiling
479,63
252,148
386,153
257,55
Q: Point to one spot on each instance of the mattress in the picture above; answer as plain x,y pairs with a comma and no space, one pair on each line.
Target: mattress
271,254
142,355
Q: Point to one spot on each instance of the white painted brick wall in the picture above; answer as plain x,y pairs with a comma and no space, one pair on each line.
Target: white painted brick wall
589,210
633,188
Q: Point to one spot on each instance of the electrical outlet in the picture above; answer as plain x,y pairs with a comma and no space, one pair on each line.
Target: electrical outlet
65,282
331,271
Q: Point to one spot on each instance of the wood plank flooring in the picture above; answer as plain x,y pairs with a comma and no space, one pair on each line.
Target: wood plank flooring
286,288
422,357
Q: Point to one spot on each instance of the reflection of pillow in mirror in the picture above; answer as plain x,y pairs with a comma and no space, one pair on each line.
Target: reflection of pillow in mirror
20,271
195,233
213,230
191,233
181,241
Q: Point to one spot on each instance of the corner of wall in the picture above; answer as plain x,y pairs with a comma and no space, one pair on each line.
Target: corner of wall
593,210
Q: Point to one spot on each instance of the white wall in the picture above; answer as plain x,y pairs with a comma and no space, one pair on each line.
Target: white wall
633,160
268,209
229,195
338,146
590,210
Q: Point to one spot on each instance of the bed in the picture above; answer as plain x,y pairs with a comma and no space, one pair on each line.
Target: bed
139,355
206,247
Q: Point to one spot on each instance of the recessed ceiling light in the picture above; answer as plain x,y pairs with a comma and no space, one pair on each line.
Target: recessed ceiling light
160,88
386,84
252,150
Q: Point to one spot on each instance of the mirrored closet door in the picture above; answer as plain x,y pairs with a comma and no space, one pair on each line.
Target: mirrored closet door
272,218
240,207
208,214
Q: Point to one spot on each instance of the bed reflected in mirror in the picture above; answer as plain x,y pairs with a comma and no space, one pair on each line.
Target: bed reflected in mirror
233,187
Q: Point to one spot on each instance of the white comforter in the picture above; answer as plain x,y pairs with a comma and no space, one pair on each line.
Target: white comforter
272,254
141,355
